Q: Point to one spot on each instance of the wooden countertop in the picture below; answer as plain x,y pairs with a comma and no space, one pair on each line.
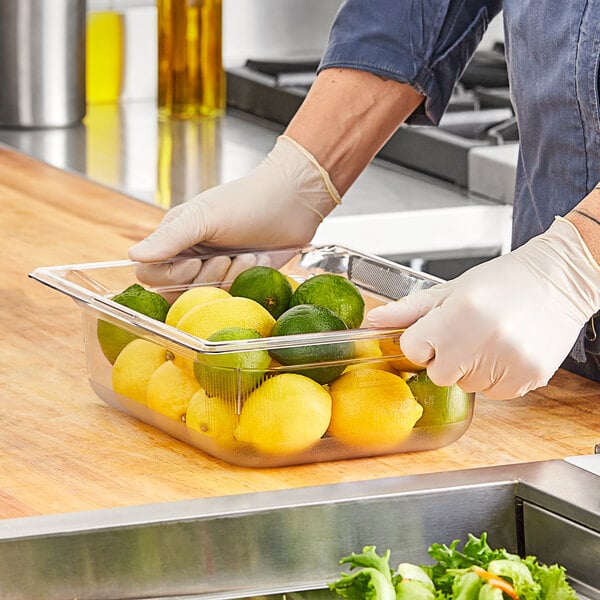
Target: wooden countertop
62,449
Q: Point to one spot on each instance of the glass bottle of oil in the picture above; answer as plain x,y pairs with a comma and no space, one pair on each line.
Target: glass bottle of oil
191,78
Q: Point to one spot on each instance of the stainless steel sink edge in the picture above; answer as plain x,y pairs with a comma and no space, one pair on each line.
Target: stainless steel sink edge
250,544
252,502
564,489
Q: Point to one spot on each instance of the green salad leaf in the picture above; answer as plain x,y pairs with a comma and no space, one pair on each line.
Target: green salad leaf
475,572
373,581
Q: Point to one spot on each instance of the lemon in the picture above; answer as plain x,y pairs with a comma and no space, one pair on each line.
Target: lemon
265,285
134,367
191,298
170,389
211,416
293,282
310,318
372,409
334,292
227,374
391,347
113,338
288,413
209,317
368,350
382,365
441,404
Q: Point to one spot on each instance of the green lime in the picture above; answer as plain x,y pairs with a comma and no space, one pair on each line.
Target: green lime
265,285
113,338
226,374
311,318
335,293
441,404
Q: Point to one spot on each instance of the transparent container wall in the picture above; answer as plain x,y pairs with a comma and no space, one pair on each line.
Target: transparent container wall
271,415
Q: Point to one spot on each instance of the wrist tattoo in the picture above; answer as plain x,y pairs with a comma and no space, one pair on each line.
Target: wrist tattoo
585,214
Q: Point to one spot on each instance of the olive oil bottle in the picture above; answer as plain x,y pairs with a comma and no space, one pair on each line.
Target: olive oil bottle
191,78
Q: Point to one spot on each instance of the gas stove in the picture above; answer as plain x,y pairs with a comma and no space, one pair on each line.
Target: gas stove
474,147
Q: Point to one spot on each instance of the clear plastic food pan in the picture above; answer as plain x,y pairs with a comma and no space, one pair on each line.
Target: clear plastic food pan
352,394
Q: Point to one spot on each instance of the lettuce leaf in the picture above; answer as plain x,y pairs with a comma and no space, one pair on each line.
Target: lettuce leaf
552,579
372,582
452,562
458,574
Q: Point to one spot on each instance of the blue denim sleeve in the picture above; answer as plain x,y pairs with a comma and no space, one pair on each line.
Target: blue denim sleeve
425,43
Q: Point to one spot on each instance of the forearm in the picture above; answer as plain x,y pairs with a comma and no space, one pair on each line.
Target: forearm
347,116
586,218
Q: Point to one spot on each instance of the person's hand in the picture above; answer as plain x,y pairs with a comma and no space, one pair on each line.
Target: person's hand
279,204
504,327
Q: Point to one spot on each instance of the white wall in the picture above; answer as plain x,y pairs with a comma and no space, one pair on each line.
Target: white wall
266,29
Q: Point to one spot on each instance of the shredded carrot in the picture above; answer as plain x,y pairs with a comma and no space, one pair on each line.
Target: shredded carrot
496,581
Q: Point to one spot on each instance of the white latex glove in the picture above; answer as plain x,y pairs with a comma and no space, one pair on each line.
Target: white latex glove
504,327
279,204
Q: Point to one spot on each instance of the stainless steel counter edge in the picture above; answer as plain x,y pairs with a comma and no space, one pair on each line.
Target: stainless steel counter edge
288,540
576,490
389,210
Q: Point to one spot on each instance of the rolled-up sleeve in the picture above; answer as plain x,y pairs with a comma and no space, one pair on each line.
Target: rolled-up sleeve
425,43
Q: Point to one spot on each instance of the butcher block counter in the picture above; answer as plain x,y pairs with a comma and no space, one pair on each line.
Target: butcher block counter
63,449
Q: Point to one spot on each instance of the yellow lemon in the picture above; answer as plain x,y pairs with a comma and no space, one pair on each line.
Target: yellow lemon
134,367
191,298
382,365
187,364
170,389
293,282
288,413
209,317
367,350
372,408
211,416
391,347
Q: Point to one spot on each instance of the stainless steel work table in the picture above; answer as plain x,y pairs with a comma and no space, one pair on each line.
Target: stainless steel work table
389,211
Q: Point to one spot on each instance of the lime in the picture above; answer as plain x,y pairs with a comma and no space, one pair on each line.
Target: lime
265,285
310,318
288,413
441,404
372,409
335,293
113,338
226,374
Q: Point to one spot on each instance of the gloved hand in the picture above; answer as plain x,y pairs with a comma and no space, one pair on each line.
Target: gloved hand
504,327
278,204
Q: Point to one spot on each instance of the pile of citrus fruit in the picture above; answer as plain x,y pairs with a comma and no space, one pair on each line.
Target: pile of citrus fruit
283,396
